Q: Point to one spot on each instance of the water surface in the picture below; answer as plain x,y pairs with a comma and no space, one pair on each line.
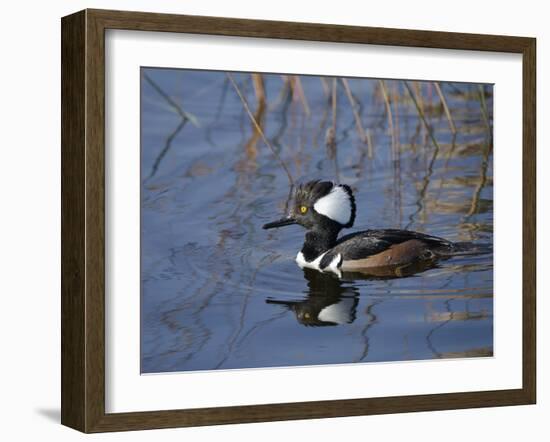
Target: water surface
218,292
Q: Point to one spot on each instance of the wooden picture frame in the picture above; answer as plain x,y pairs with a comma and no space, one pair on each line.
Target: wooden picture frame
83,220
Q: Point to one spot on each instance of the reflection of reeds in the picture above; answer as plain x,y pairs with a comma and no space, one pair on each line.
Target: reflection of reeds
420,204
326,87
221,103
171,102
298,93
332,151
474,207
483,105
285,98
395,100
470,353
166,148
398,205
457,316
259,89
420,111
334,103
446,108
372,320
259,129
429,336
354,108
448,316
370,148
185,117
446,165
322,122
283,93
389,113
330,139
402,106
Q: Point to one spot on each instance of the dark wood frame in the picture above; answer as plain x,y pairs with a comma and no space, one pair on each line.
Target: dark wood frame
83,220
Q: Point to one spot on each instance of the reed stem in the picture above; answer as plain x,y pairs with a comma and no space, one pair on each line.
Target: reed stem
334,105
355,111
389,113
173,104
185,117
259,129
483,105
422,116
445,108
370,149
299,90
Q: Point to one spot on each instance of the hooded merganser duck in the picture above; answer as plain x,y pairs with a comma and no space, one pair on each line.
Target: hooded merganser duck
324,208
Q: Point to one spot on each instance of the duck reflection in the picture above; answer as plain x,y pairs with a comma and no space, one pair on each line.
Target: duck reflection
328,301
332,299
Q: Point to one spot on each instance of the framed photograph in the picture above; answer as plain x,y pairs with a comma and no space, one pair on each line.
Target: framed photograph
268,221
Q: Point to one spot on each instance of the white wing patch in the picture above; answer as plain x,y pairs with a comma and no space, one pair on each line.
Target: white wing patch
332,267
336,205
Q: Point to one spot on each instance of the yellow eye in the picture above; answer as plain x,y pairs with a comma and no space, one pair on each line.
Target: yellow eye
303,209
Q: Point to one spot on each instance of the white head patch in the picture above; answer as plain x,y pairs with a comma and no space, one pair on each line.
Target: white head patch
336,205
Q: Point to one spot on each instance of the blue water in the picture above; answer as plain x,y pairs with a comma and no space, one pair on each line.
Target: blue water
218,292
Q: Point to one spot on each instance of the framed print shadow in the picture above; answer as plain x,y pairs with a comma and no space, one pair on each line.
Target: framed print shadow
268,221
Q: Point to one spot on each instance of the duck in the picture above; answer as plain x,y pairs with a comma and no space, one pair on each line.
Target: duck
325,208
